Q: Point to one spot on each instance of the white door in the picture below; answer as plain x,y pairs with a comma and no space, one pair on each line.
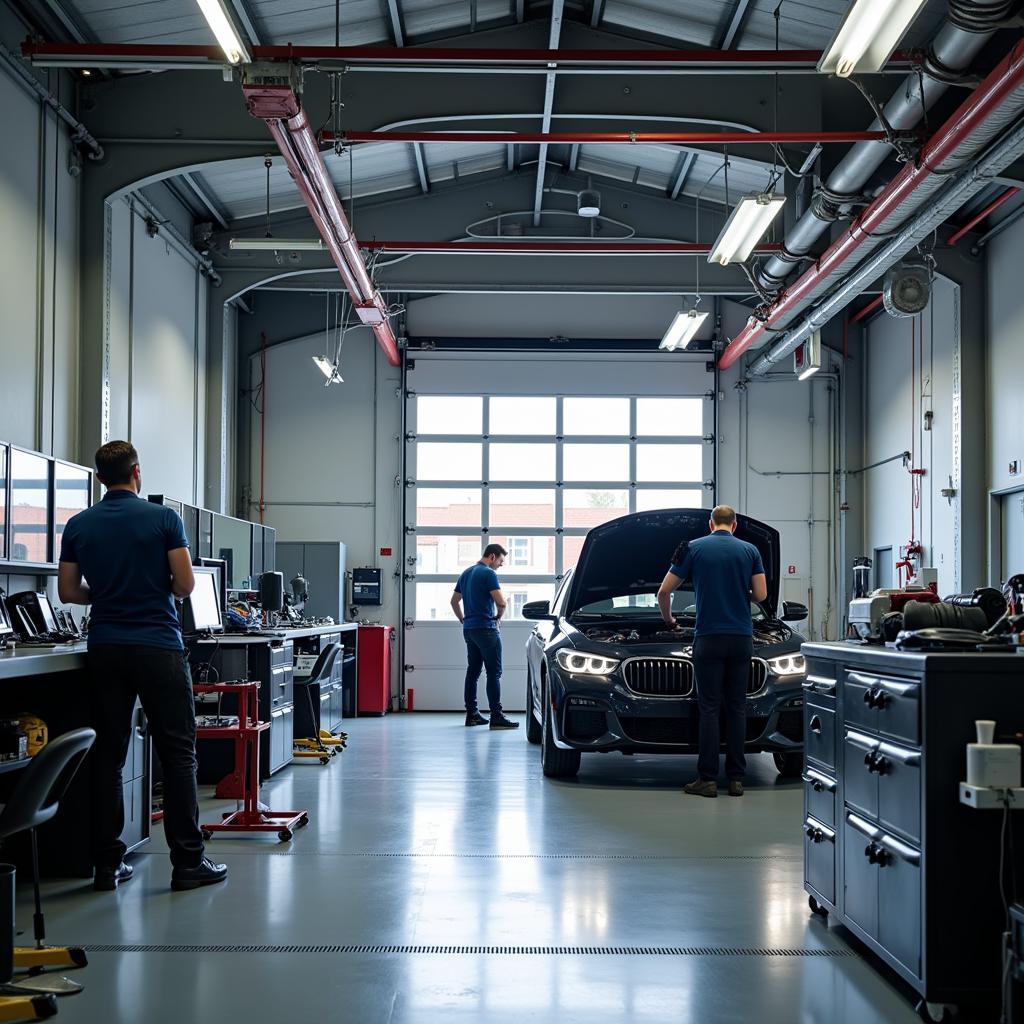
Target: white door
1012,540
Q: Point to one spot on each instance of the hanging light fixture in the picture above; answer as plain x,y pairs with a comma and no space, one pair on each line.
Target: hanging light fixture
807,358
683,329
869,33
278,244
746,226
588,203
329,370
217,17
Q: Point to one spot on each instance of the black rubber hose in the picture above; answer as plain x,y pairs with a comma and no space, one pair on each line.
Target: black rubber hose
921,615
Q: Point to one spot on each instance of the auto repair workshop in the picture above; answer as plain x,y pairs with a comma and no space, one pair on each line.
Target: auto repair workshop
512,510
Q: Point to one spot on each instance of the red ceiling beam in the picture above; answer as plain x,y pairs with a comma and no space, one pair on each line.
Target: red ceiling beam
979,217
866,310
609,138
540,247
279,107
1005,79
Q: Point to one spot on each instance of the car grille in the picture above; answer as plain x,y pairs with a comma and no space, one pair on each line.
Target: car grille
758,675
659,677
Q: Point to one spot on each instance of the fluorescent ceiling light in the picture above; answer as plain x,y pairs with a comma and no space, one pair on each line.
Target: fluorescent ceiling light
745,227
278,244
682,330
329,370
220,24
807,358
868,35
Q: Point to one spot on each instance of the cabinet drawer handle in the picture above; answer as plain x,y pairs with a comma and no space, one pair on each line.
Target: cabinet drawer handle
815,725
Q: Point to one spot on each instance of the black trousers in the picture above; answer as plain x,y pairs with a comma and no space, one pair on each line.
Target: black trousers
161,679
721,666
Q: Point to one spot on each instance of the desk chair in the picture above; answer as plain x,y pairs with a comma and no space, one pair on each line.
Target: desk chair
320,744
34,802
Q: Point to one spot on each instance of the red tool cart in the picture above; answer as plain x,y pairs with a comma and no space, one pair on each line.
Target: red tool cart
244,782
375,644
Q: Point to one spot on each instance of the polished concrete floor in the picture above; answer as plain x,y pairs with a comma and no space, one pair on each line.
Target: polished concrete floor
442,878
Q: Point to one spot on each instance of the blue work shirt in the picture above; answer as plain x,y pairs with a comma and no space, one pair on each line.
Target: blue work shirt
720,568
475,585
121,546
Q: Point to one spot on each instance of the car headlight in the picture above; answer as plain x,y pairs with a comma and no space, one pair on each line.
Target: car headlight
788,665
585,664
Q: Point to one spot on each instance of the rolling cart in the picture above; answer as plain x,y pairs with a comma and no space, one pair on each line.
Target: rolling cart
243,783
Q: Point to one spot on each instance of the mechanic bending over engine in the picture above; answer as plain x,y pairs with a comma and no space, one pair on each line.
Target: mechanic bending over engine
726,573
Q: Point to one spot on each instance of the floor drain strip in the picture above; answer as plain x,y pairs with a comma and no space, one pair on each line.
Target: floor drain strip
433,950
579,856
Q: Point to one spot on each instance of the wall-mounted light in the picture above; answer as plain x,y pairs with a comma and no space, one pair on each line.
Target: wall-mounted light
746,226
807,358
329,370
682,330
588,203
869,33
219,20
277,244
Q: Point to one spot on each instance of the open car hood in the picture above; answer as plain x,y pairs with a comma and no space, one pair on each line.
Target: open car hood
631,555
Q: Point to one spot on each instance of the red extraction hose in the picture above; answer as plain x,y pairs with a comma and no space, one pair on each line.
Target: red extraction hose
263,420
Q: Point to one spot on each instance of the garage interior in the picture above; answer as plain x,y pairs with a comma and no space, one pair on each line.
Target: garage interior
360,322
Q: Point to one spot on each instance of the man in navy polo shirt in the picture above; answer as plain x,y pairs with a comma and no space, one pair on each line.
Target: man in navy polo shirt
479,593
129,559
726,574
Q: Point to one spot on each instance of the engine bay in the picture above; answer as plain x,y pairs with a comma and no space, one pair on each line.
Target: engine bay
640,633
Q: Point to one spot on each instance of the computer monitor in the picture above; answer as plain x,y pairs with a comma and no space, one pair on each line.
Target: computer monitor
6,629
222,579
201,609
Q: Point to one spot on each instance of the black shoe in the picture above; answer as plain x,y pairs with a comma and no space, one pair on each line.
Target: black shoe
475,718
207,873
108,879
501,722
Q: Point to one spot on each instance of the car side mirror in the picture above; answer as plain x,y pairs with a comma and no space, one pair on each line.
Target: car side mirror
793,611
538,610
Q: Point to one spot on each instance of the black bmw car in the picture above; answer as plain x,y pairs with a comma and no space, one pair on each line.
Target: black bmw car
604,673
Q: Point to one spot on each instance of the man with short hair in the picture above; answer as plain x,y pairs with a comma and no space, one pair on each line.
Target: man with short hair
479,605
129,560
727,574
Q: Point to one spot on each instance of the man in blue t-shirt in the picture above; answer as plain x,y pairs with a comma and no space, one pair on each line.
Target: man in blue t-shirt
479,605
128,559
726,574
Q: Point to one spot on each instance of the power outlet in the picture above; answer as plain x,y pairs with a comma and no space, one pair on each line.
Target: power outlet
1014,467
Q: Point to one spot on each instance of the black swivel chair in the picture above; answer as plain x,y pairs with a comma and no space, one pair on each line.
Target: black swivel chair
34,802
312,741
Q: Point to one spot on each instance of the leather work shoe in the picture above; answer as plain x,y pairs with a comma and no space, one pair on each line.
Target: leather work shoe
700,787
475,718
735,787
108,879
207,873
501,722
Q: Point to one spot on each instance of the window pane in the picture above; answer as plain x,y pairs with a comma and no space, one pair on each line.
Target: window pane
588,508
447,506
521,593
71,487
449,414
596,462
595,416
439,461
571,548
522,462
435,555
3,499
646,501
30,487
670,417
433,601
656,462
527,556
522,416
522,507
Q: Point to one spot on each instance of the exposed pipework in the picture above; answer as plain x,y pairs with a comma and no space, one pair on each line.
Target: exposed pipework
540,247
278,105
613,138
970,26
987,112
982,214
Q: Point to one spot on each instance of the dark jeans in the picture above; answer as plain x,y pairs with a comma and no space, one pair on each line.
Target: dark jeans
161,679
483,648
721,666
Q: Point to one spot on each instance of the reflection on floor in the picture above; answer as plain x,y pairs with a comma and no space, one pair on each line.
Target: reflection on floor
496,894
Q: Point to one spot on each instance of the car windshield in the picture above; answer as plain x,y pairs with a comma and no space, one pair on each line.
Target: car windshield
684,604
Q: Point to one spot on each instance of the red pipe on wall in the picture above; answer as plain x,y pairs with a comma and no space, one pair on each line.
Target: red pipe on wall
1006,77
979,217
869,308
609,138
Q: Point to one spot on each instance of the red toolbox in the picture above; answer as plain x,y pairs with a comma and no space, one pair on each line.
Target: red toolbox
375,644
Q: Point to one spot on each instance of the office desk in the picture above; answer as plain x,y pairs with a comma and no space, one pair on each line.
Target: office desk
52,684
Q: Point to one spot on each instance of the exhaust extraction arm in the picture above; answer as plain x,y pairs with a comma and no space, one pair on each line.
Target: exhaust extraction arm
279,106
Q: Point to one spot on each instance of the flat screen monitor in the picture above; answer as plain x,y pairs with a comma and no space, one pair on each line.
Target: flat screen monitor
220,567
3,501
6,629
30,507
201,610
72,492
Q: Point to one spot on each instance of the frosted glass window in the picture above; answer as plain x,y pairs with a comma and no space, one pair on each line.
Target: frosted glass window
522,462
595,416
449,414
455,461
657,462
522,416
596,462
670,417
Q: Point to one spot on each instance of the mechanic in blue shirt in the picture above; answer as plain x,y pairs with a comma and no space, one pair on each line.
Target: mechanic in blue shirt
479,605
128,559
726,574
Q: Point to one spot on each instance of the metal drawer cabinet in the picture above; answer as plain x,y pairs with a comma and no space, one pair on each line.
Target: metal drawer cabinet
883,781
820,732
820,859
883,890
883,704
820,796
